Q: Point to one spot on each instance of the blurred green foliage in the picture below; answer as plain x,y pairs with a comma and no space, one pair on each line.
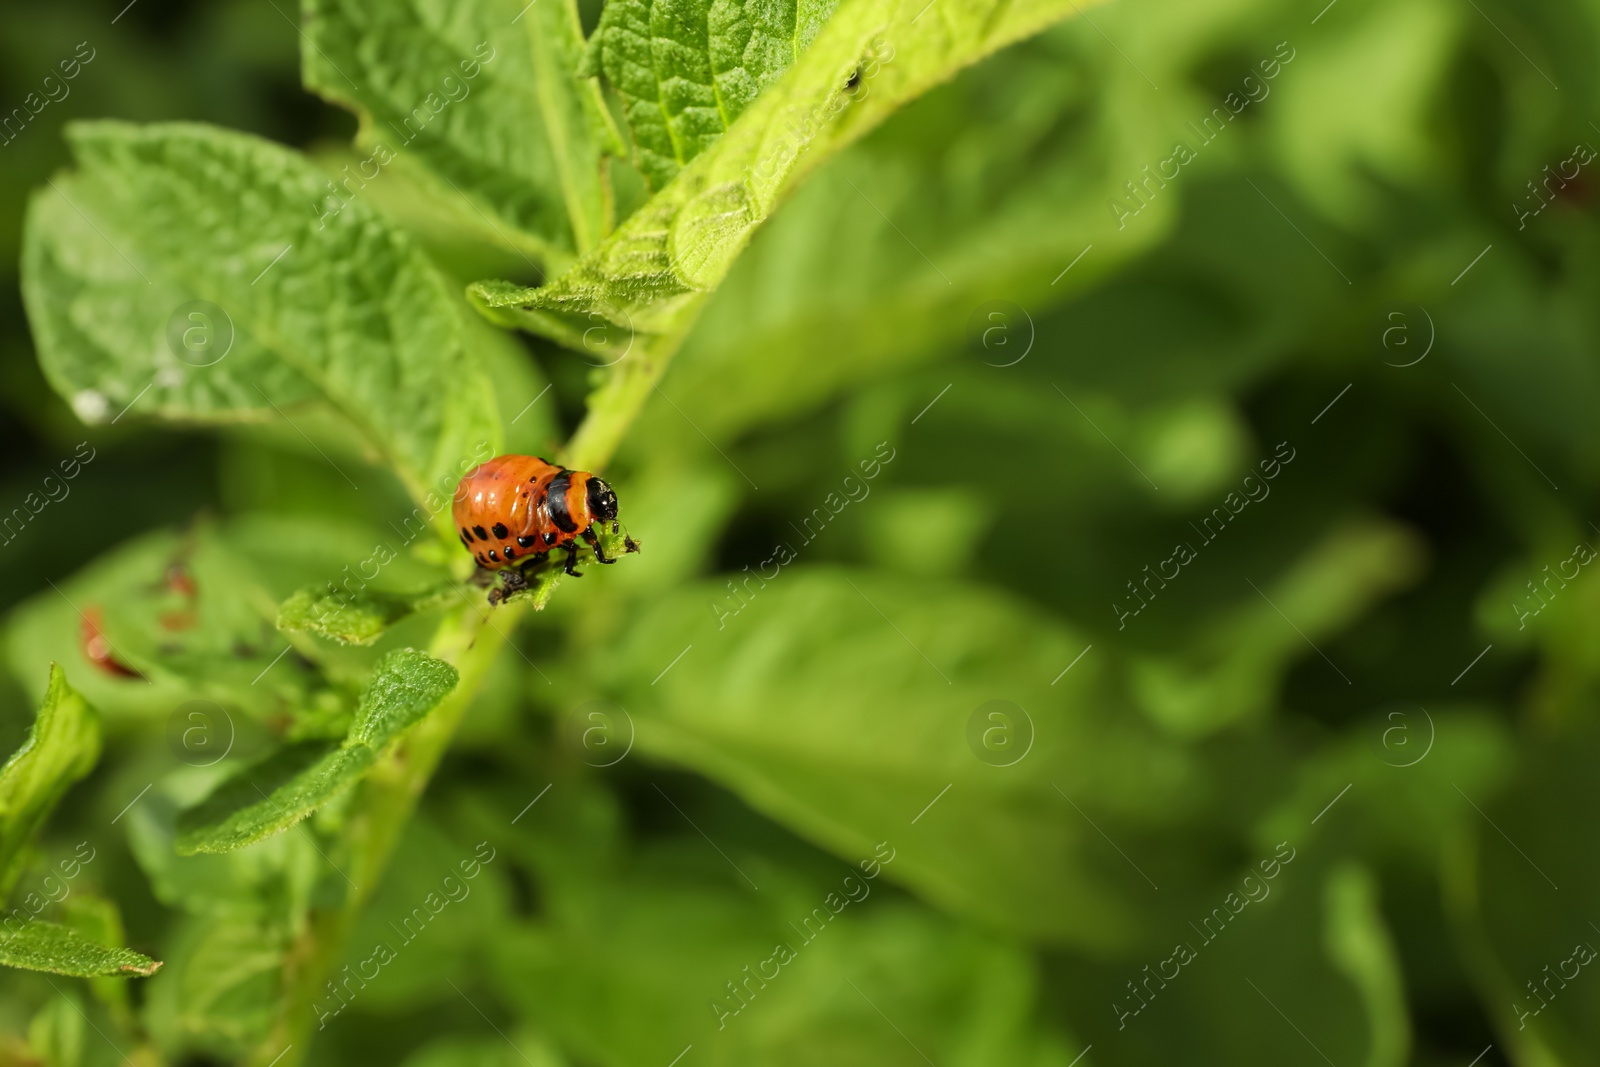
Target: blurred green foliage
1067,368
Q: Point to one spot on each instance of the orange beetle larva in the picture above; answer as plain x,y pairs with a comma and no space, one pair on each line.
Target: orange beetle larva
513,510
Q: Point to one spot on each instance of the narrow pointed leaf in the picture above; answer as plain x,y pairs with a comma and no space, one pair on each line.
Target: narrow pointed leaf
57,949
406,686
274,793
268,797
61,748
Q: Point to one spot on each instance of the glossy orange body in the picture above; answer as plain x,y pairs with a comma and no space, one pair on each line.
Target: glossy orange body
516,508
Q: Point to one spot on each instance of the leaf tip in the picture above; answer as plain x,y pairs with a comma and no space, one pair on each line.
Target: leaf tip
141,970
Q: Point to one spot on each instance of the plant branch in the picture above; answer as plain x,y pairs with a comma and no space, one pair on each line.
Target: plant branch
388,796
617,402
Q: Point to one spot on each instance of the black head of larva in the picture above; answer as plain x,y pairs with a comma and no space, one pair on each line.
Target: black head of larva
602,501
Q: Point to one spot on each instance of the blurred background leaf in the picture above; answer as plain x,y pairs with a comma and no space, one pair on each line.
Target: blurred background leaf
1379,259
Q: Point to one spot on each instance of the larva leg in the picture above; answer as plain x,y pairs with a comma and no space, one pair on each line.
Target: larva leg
594,542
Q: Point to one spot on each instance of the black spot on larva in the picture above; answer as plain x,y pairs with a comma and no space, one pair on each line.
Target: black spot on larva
493,556
526,542
479,557
550,538
500,530
466,544
556,501
483,535
465,535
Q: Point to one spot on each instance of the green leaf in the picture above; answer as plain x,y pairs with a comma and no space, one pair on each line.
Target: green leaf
56,1033
1281,945
222,983
842,703
270,883
359,618
61,748
47,946
686,69
880,260
504,303
405,687
1403,52
273,794
481,100
1509,878
454,1051
99,920
194,614
1235,668
652,274
344,312
227,956
472,914
632,954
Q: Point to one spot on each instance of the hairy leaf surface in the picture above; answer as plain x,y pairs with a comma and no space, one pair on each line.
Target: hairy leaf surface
484,101
405,687
57,949
357,619
870,58
344,311
686,69
273,794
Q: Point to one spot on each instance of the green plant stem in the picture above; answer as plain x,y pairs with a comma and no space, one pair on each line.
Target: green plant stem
388,795
614,406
